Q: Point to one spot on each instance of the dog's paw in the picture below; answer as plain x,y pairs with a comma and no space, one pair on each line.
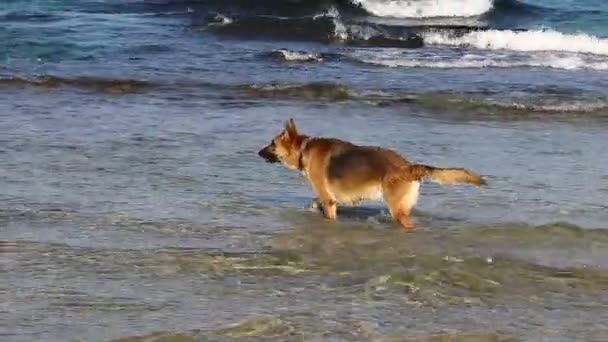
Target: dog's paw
315,205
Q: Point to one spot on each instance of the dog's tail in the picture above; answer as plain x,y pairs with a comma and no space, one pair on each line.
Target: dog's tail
446,176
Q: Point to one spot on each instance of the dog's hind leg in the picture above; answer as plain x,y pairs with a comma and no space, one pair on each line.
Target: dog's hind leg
400,197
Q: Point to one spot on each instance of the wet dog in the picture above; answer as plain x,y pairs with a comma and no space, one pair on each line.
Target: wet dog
342,173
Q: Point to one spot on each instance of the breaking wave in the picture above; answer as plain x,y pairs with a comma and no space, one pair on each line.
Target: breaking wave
295,56
326,27
473,61
336,25
379,8
426,8
539,40
286,55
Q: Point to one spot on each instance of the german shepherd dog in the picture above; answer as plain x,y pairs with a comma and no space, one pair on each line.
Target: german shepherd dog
344,173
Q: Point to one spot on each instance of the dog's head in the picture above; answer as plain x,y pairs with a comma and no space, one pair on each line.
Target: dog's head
284,147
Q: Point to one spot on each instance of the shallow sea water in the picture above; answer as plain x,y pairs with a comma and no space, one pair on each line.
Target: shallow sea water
133,205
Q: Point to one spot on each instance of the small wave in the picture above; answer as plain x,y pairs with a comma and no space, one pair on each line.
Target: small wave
474,61
568,107
555,230
326,27
426,8
27,214
112,86
309,91
438,64
563,244
269,27
410,42
539,40
256,327
488,105
475,104
295,56
219,20
38,17
450,274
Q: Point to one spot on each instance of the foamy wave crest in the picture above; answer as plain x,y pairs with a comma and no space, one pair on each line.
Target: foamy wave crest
474,62
358,34
340,31
220,20
519,105
523,41
573,107
425,8
296,56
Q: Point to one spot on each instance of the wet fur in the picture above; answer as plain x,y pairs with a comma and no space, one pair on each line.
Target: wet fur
340,172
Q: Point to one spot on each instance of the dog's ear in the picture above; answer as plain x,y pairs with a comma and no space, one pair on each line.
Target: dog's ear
290,129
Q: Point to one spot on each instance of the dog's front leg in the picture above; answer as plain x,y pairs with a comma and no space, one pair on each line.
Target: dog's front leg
327,207
328,204
317,204
330,209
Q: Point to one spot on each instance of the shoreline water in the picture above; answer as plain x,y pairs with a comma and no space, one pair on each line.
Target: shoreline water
134,204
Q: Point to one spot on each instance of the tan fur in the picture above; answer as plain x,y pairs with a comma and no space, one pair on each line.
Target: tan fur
448,176
340,172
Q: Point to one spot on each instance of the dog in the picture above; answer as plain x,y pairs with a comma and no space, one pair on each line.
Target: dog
342,173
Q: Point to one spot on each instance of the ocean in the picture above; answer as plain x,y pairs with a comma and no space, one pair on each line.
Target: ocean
134,207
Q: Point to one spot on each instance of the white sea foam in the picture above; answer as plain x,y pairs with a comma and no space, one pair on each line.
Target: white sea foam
340,31
569,107
220,20
425,8
298,56
568,62
539,40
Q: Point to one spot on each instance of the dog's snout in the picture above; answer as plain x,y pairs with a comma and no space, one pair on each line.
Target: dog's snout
262,152
268,154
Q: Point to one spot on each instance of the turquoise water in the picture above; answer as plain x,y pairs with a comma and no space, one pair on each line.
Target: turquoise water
574,16
133,204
